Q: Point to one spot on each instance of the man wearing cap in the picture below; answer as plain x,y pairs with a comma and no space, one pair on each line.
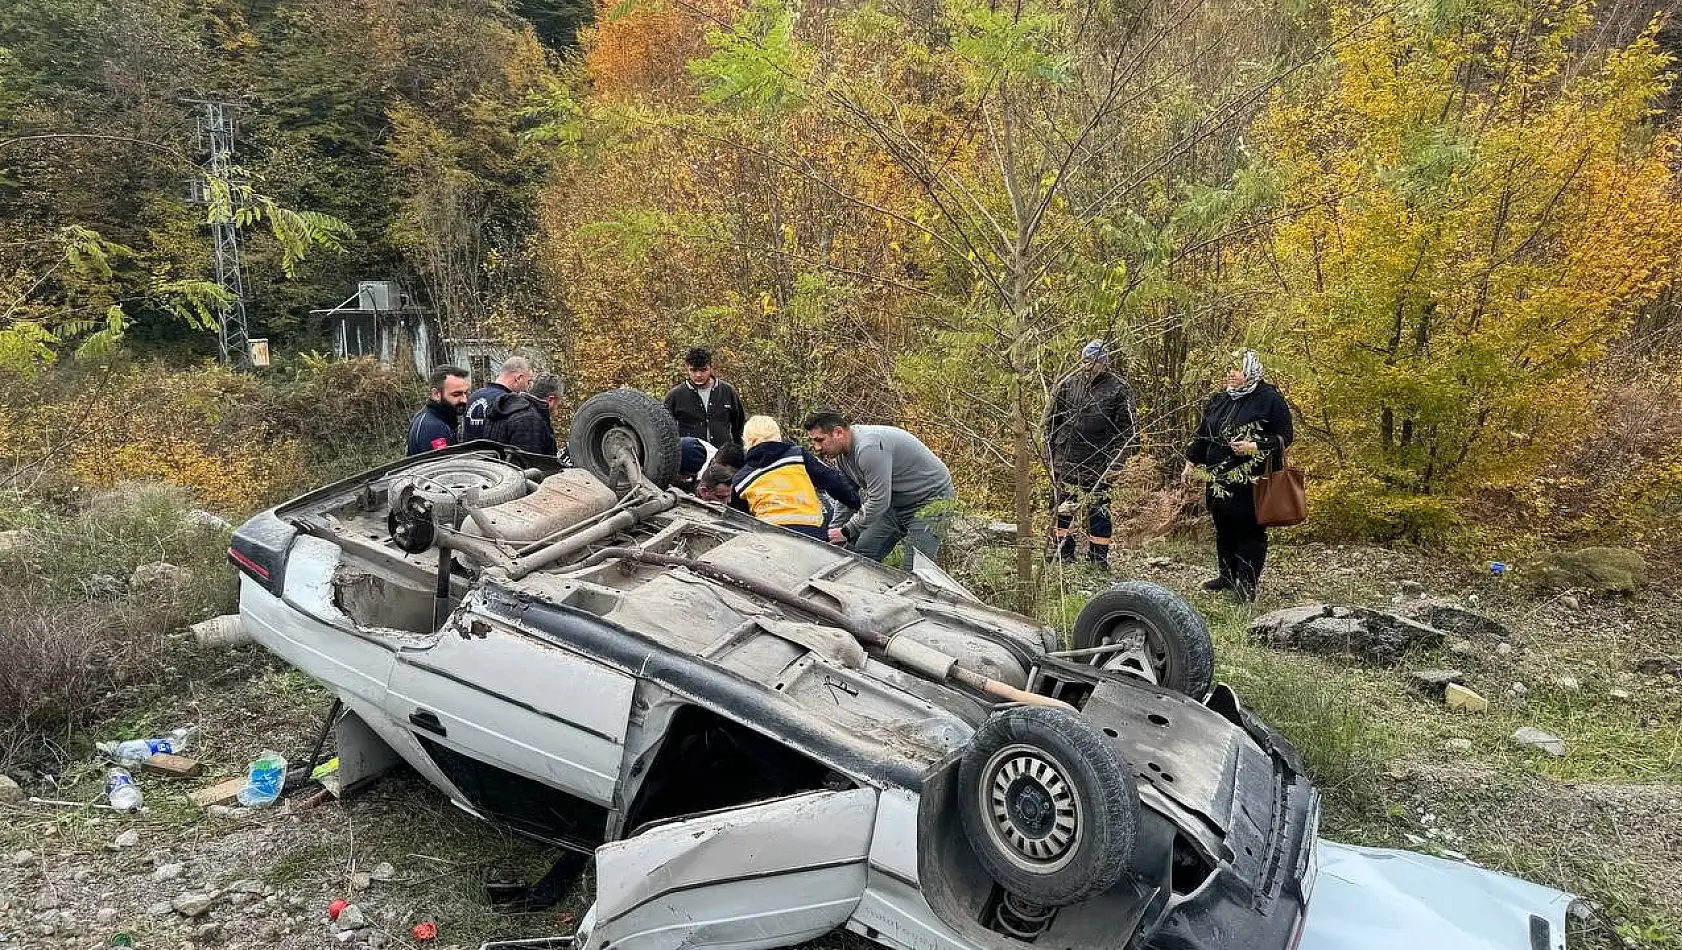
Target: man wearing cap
1090,430
694,455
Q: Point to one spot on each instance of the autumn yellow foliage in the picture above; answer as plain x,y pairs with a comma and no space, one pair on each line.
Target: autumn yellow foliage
1473,215
202,431
235,441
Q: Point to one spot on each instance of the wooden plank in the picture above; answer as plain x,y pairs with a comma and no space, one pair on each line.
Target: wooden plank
218,793
177,766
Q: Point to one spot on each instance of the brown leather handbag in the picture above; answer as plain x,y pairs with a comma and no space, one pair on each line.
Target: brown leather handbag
1281,498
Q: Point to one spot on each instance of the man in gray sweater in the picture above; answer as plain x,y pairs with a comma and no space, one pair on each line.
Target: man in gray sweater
905,492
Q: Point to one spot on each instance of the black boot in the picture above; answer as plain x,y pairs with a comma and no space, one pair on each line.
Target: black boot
1217,583
1063,550
1098,554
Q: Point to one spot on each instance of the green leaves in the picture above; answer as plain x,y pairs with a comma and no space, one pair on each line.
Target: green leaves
25,347
755,64
553,116
102,337
1002,44
87,253
298,232
198,303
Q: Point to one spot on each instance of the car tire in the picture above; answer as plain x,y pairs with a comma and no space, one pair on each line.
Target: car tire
1047,805
1174,638
625,416
497,482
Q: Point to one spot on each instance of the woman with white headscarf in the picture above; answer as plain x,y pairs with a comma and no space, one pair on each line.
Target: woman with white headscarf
1245,429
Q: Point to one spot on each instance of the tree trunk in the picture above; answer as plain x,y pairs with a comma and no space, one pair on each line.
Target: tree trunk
1025,457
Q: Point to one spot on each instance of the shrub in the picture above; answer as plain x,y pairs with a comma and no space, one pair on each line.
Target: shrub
75,635
208,430
1355,505
346,415
235,441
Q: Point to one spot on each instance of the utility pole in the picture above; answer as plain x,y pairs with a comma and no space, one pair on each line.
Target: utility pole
215,126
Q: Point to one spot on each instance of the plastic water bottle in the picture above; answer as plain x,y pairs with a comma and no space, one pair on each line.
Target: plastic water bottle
265,780
121,791
136,751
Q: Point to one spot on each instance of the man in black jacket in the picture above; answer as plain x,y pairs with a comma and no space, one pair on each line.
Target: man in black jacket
705,406
514,377
434,427
523,420
1090,430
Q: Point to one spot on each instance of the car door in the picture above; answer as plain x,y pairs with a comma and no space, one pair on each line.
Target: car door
765,875
511,720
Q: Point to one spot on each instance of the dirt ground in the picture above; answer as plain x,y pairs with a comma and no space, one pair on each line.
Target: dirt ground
1605,820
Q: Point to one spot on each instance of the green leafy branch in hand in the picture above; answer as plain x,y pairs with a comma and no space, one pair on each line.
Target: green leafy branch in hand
1245,472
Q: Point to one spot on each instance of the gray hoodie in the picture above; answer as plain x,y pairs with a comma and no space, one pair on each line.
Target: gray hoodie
892,469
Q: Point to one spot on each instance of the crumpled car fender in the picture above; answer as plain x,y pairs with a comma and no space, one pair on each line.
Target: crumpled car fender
1380,899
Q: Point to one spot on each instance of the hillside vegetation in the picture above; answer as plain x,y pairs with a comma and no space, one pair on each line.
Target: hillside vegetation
1451,229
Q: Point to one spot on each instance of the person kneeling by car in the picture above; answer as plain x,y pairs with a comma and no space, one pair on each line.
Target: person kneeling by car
779,482
523,420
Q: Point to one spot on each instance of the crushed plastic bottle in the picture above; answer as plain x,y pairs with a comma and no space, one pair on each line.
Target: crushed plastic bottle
136,751
264,781
121,791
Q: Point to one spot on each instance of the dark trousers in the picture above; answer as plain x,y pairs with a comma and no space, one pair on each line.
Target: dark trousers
1240,543
1067,502
921,525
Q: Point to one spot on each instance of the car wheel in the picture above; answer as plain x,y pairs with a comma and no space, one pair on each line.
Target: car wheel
497,482
1164,639
624,418
1047,805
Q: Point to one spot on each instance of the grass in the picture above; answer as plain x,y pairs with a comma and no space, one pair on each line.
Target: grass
1602,821
76,633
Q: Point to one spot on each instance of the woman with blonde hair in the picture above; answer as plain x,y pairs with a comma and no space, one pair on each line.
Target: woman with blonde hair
779,481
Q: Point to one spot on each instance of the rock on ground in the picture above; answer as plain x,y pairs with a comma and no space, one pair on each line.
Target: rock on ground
1459,697
352,918
10,793
1600,570
1435,682
160,575
1534,738
1450,617
1354,631
193,904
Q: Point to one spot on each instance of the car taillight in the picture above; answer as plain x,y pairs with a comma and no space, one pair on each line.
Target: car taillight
259,549
245,563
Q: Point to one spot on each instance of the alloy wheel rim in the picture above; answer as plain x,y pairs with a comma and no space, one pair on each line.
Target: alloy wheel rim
1033,813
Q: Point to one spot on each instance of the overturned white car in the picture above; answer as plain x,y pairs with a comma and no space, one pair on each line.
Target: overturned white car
761,737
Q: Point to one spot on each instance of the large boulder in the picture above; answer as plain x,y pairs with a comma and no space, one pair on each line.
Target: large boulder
1600,570
1329,630
1450,617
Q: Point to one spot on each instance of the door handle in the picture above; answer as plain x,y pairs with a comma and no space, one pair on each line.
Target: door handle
425,719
